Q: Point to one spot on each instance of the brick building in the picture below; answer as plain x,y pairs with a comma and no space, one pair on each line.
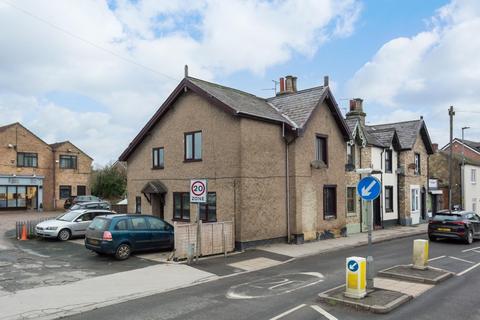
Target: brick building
37,175
276,166
471,149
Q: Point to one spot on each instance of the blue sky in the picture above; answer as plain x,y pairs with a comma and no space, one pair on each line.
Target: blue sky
87,65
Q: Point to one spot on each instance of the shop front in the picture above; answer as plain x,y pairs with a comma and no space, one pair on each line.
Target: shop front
21,192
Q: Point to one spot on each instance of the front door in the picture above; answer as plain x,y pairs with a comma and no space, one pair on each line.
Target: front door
423,205
377,215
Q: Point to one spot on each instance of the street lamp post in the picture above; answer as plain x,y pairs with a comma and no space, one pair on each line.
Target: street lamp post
463,166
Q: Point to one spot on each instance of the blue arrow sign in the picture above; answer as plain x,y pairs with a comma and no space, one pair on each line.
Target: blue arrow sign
352,265
369,188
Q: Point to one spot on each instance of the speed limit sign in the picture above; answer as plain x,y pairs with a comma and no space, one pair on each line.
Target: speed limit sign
198,191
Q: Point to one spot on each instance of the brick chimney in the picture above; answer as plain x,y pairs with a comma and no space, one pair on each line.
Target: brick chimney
435,147
356,110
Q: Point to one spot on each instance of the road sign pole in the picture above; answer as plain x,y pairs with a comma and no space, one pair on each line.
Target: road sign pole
198,244
370,264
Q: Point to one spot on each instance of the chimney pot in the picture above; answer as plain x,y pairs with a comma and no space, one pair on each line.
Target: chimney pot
325,81
282,85
288,84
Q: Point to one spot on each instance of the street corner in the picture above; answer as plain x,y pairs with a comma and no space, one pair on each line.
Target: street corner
37,263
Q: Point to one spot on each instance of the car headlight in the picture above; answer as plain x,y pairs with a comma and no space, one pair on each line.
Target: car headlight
51,228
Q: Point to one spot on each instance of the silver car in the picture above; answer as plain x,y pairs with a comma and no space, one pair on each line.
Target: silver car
69,224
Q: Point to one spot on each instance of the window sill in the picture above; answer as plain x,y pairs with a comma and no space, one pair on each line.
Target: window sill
192,160
329,218
180,220
157,168
389,210
351,214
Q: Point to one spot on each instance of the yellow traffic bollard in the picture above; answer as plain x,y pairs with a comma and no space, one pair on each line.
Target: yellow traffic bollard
420,254
356,277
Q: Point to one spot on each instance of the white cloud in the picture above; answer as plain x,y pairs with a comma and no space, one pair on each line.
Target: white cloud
215,38
430,71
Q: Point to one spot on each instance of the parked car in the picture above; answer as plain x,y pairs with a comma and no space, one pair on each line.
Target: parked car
69,224
91,205
70,201
122,234
463,225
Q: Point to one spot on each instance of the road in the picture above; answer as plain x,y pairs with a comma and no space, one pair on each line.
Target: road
289,291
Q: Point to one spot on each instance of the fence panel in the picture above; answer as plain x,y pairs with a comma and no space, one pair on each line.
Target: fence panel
216,238
30,226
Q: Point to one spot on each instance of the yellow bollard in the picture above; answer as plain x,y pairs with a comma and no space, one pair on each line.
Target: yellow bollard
420,254
356,277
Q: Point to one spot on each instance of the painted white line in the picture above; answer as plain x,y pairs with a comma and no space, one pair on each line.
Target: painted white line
476,251
288,312
436,258
467,270
323,312
463,260
472,249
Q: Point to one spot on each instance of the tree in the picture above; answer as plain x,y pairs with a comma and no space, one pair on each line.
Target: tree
109,183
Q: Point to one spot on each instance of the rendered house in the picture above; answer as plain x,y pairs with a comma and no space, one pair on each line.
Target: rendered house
276,166
37,175
400,152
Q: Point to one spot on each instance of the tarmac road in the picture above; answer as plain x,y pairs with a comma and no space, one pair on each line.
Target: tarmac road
290,290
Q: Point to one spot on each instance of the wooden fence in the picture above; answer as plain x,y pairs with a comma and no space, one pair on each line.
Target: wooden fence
30,224
216,238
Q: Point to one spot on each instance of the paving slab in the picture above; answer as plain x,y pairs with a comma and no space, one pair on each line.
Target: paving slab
376,301
406,272
414,289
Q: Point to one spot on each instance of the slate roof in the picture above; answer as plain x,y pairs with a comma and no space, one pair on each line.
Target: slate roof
407,131
299,106
242,102
293,109
472,144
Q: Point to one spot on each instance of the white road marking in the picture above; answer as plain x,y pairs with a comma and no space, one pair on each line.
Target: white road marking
436,258
288,312
461,259
467,270
472,249
323,312
476,251
29,251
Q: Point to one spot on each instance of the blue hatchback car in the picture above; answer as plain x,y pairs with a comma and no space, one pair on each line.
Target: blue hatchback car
122,234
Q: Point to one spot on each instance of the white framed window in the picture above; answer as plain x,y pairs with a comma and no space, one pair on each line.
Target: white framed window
415,199
473,176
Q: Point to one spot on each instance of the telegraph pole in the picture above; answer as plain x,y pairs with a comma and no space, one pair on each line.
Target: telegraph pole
451,113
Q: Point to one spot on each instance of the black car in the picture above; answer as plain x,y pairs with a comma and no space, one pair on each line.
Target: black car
70,201
91,205
462,225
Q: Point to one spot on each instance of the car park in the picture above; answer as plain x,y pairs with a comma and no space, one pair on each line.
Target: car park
122,234
70,224
91,205
462,225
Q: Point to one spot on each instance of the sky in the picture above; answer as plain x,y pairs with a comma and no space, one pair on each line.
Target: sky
94,72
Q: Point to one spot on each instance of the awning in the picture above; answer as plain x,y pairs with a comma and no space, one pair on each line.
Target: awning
436,191
154,186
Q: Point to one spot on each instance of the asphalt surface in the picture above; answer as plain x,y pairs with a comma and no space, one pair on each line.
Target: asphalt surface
37,263
290,290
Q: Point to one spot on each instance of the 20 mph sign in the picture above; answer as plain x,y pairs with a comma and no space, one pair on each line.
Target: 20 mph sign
198,191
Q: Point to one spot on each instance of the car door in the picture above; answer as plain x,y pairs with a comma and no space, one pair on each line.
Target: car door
140,233
161,235
81,223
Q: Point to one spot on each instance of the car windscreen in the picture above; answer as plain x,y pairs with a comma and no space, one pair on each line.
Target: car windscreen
99,224
68,216
447,217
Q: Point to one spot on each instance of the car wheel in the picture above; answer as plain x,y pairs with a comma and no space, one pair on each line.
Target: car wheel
64,235
469,237
432,238
123,252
